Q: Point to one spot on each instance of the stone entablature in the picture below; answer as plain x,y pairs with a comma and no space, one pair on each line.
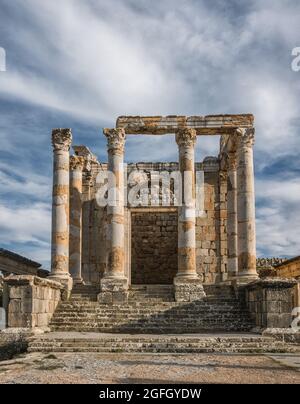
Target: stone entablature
204,125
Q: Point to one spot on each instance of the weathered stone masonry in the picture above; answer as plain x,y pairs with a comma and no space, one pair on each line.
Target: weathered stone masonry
154,247
61,141
103,248
217,247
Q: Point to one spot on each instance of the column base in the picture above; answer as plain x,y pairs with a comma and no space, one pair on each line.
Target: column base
243,279
66,281
113,291
188,289
78,281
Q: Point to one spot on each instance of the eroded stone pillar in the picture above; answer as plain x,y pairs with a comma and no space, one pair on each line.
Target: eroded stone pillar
188,286
232,223
76,167
61,141
114,284
246,206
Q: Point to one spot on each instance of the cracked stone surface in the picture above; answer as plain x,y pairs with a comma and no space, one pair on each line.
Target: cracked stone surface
93,368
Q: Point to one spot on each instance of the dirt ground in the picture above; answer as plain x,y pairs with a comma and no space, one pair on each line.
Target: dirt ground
81,368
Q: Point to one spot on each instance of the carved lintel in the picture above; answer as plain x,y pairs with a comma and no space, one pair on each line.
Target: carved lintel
61,139
186,137
245,136
115,139
76,163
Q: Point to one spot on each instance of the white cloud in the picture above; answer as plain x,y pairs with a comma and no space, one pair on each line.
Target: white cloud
25,224
277,218
27,183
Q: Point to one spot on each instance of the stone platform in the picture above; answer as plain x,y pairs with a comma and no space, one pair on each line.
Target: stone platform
168,343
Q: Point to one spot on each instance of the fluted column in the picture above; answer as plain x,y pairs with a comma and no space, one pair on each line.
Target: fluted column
76,167
246,205
232,223
61,141
114,284
187,284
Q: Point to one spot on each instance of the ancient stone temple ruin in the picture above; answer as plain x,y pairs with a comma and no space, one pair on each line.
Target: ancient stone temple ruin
153,248
114,247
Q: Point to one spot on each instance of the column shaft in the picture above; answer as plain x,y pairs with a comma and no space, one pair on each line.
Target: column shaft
232,224
115,209
246,205
76,167
186,139
61,141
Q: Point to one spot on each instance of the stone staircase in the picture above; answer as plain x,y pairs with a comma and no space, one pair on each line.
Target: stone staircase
84,293
152,322
151,293
151,309
188,343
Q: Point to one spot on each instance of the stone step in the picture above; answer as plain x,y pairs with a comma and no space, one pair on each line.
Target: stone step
156,311
148,321
74,305
200,304
183,343
148,330
168,315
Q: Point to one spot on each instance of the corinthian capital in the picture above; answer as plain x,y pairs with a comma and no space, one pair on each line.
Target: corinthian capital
76,163
61,139
115,139
245,136
186,137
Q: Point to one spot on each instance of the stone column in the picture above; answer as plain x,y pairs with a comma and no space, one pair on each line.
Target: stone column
114,284
188,286
61,141
76,167
246,206
232,224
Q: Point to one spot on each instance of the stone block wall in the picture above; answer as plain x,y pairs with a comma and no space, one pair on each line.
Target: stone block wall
154,247
30,301
210,229
271,301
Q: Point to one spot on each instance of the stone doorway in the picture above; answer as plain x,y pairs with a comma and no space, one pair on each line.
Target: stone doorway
154,236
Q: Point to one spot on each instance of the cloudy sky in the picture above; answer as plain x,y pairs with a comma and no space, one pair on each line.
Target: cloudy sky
80,64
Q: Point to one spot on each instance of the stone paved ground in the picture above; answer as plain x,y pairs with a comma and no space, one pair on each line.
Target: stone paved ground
150,368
